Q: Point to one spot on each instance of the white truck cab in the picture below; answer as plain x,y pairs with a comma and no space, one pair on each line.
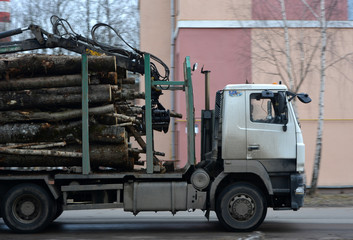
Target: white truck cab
258,123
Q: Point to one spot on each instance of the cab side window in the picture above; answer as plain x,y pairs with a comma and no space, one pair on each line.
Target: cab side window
266,109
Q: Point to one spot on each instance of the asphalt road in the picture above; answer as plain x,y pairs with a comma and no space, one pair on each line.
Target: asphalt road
308,223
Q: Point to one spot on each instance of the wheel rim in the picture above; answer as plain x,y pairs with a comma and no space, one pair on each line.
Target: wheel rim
242,207
26,209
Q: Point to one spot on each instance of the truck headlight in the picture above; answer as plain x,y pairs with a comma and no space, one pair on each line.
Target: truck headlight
300,191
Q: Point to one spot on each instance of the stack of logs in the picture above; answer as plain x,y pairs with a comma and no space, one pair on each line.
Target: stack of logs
40,112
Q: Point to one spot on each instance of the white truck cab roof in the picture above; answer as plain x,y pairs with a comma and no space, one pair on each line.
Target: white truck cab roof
255,87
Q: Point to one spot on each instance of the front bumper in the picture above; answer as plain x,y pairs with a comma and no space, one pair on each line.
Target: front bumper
298,190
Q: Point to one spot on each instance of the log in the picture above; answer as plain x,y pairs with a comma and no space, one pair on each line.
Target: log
175,115
104,78
53,153
106,120
31,65
53,97
127,94
134,154
33,145
114,156
41,82
24,116
128,81
107,134
123,118
47,145
129,110
132,130
42,132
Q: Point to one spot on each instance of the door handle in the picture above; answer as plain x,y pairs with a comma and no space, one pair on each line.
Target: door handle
253,147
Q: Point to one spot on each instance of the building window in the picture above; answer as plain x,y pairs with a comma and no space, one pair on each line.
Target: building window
350,10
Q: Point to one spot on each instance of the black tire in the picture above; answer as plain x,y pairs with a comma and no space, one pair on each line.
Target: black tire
27,208
58,211
241,207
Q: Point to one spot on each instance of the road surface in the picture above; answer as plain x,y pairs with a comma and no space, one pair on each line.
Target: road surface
307,223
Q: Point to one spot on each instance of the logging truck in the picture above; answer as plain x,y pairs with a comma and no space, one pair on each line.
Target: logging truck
78,124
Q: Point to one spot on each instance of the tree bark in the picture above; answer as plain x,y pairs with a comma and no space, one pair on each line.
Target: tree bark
115,156
137,136
53,97
126,94
42,132
39,145
41,82
105,78
128,81
25,116
287,44
318,150
32,65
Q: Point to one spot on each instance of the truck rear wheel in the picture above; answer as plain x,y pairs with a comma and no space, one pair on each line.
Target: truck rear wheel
27,208
58,211
241,207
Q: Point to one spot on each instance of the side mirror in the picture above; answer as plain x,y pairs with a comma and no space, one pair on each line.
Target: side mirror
304,97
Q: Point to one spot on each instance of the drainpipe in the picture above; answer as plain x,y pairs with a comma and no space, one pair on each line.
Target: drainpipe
171,76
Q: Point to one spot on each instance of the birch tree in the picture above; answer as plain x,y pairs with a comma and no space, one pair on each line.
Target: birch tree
287,45
276,45
274,55
122,15
323,30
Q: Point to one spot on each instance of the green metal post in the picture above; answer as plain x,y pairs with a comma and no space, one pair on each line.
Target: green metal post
86,167
190,111
148,115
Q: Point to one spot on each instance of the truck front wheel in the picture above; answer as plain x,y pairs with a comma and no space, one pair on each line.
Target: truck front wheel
241,207
27,208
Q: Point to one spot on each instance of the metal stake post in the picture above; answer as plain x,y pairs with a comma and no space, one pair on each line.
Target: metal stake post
186,85
148,115
207,87
86,167
190,111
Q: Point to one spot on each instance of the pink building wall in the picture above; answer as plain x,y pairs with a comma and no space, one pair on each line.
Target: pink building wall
217,50
296,10
226,51
155,38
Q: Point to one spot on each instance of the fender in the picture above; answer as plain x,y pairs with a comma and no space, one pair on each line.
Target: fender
35,178
240,166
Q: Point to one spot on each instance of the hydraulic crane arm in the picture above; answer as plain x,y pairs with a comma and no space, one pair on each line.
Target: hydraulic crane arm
64,36
125,59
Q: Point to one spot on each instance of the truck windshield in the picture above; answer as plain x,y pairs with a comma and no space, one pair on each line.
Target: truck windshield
266,109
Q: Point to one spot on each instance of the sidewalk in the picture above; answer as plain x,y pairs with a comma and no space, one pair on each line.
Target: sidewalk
329,200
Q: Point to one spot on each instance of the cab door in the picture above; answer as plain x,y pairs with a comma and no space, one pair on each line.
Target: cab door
270,133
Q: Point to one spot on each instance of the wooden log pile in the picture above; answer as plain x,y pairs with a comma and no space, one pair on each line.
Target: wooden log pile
40,113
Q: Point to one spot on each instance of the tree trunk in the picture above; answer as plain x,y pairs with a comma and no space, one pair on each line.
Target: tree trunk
53,97
114,156
128,81
126,94
25,116
41,82
32,65
88,17
43,132
317,160
287,44
104,78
